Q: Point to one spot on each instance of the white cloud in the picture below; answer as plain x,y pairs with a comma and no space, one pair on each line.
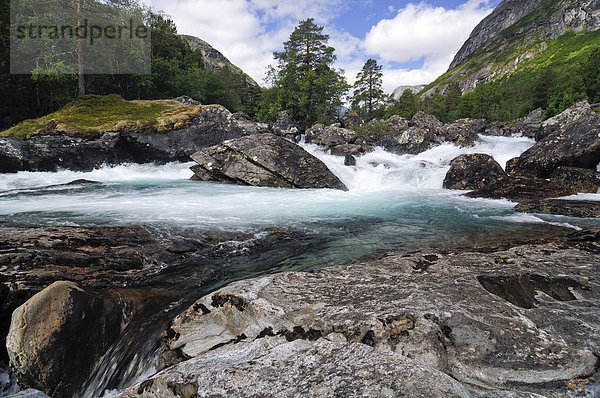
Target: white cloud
249,31
423,31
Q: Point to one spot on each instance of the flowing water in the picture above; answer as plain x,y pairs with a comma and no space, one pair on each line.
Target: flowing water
394,203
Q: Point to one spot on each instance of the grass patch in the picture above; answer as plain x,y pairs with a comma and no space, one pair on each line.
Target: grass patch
93,115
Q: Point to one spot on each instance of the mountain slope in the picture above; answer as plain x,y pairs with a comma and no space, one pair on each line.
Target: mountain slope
516,32
213,59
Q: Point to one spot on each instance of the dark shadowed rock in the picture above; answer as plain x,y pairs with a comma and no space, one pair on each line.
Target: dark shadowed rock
462,132
503,324
563,207
473,172
350,160
56,337
263,160
576,145
520,188
329,136
351,120
580,180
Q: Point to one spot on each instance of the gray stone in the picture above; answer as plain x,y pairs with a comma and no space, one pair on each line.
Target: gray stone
473,172
576,144
462,132
329,136
522,322
263,160
57,336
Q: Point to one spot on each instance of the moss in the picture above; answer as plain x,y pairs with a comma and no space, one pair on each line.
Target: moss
93,115
378,129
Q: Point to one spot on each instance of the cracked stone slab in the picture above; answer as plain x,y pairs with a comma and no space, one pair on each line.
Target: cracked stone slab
513,323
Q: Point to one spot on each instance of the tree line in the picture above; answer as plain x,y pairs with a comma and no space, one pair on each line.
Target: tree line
304,82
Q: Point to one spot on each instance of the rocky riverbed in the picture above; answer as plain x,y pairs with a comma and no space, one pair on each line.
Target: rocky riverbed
509,323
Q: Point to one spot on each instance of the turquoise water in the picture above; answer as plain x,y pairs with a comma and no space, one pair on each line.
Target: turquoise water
394,203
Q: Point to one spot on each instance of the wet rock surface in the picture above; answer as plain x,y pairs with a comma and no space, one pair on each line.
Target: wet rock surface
580,180
563,207
473,172
575,144
58,335
263,160
520,188
505,323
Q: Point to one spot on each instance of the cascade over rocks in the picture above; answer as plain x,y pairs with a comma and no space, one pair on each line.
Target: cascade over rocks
263,160
473,324
56,337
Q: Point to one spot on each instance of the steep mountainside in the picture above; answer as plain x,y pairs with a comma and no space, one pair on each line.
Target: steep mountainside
213,59
515,33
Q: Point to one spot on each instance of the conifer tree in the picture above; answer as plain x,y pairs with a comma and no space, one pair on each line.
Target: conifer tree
368,95
307,85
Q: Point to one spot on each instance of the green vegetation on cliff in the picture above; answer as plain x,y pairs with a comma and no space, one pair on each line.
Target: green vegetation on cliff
92,115
565,72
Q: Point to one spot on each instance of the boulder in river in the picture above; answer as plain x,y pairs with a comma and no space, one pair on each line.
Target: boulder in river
329,136
563,207
576,144
263,160
508,323
462,132
580,180
473,172
57,336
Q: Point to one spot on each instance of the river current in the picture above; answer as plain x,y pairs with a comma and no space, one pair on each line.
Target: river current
394,203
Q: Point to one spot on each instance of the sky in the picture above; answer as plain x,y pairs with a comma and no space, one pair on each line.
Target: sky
414,41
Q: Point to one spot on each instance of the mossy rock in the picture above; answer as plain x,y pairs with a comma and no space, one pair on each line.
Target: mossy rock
93,115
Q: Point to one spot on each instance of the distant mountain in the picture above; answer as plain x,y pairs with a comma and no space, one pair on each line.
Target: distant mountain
515,33
213,59
397,93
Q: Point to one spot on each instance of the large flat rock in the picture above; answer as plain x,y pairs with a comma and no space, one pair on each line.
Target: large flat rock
263,160
510,323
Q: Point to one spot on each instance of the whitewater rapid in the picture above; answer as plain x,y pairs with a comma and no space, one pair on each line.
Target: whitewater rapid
382,186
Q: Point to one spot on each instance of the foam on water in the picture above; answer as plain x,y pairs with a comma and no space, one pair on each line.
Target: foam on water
381,186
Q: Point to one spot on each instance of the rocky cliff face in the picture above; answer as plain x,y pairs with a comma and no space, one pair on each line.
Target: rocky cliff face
213,59
515,32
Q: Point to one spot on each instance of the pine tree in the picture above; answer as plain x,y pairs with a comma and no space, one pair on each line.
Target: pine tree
306,83
368,95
